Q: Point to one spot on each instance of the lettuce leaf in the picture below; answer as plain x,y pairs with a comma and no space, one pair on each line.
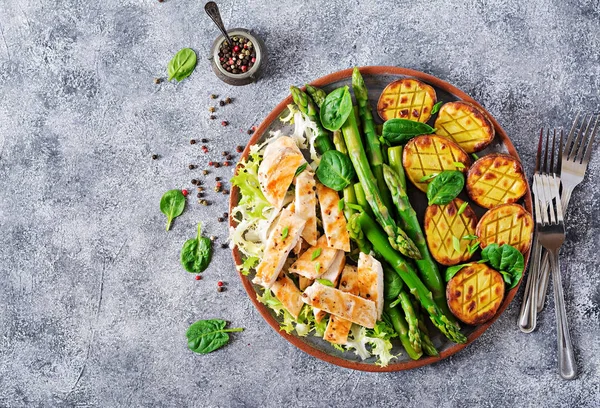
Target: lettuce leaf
372,342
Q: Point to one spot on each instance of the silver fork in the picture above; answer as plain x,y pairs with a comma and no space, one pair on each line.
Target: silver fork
550,228
575,158
528,314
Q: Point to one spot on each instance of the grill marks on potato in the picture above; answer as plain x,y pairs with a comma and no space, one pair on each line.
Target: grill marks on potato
466,125
475,293
431,154
496,179
506,224
442,223
407,99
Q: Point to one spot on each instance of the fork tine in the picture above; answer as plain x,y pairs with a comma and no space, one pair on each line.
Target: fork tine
571,134
581,147
577,140
545,165
552,153
588,150
560,153
539,152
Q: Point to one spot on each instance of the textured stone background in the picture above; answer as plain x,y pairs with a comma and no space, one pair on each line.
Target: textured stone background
93,302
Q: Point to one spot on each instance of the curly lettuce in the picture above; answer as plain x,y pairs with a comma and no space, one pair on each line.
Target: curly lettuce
372,342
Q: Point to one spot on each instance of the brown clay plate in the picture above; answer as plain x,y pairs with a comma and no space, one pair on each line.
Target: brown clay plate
376,78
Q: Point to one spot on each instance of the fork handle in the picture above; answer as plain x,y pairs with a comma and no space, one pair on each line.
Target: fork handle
544,274
528,314
566,358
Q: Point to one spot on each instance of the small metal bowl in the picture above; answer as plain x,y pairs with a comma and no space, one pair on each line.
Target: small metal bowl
244,78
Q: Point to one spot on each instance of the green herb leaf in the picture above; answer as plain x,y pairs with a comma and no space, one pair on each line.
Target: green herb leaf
335,170
315,254
507,259
474,156
453,270
325,282
196,253
428,177
473,248
341,204
462,208
205,336
285,232
396,302
470,237
182,64
445,187
172,204
436,107
300,169
355,207
458,165
336,108
456,243
392,283
399,131
317,266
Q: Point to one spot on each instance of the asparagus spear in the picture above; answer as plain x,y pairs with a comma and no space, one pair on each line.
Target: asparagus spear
399,323
410,224
317,94
307,106
357,235
361,199
397,237
417,288
372,141
395,160
426,342
414,333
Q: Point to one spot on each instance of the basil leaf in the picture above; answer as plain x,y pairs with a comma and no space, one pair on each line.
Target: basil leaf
453,270
392,283
436,107
196,253
336,108
182,64
506,259
335,170
300,169
398,131
462,208
172,204
205,336
445,187
325,282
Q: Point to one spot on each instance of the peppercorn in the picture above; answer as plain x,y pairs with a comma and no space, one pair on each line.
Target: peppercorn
212,117
219,184
200,188
204,149
220,219
199,195
221,103
249,131
217,178
239,149
157,80
184,192
192,141
223,153
220,283
204,140
213,238
154,156
217,164
213,96
211,109
219,289
225,214
224,245
211,163
224,123
228,100
191,167
217,189
226,164
200,182
225,192
197,277
194,181
203,202
205,172
229,157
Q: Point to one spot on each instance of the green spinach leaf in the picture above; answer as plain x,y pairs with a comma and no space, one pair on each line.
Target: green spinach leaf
172,204
507,260
196,253
205,336
453,270
182,64
445,187
335,170
436,107
336,108
398,131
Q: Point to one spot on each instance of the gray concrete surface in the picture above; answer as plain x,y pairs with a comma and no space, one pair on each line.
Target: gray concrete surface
93,302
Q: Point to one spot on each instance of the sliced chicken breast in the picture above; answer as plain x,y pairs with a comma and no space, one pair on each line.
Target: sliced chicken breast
370,280
332,274
314,262
337,328
345,305
288,294
334,222
282,240
304,282
306,204
277,169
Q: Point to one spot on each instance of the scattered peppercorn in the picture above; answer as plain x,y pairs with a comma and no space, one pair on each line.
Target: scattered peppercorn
224,245
205,172
213,238
191,167
239,149
219,289
211,109
184,192
199,195
154,156
200,182
197,277
204,140
219,283
249,131
212,117
228,100
157,80
225,214
217,164
224,123
194,181
217,189
211,163
224,153
229,157
226,164
220,219
219,184
225,192
200,188
221,103
217,178
203,202
213,96
193,141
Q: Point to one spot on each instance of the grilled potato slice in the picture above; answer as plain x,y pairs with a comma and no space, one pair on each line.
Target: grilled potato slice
407,99
442,223
466,124
496,179
430,154
506,224
475,293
